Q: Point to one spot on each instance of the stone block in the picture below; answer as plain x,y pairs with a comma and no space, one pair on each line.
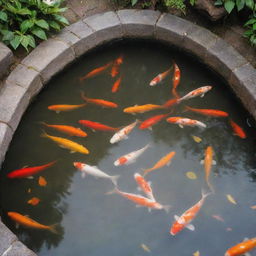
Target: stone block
49,58
138,22
5,138
7,238
6,59
19,249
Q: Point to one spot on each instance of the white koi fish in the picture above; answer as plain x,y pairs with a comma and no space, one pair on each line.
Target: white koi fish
197,92
181,121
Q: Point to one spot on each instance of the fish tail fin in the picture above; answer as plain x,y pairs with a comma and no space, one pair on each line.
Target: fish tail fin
114,179
44,134
210,187
83,96
175,94
43,123
114,191
53,228
167,208
205,193
145,172
186,108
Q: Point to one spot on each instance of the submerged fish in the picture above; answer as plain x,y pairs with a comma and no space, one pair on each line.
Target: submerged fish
242,248
29,171
237,130
160,77
116,84
59,108
181,121
116,65
165,160
172,102
97,126
208,162
175,80
42,181
68,144
131,157
184,220
100,102
34,201
27,222
148,123
208,112
94,171
144,186
197,92
142,108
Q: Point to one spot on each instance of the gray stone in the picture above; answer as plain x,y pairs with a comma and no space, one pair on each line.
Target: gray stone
7,238
49,58
138,22
27,78
5,139
6,59
67,37
13,101
19,249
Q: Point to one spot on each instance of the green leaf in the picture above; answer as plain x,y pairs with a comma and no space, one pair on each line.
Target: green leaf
218,2
249,22
25,42
249,3
254,27
134,2
192,2
42,24
240,4
25,25
229,6
32,42
16,42
3,16
53,24
39,33
23,11
7,35
248,33
61,19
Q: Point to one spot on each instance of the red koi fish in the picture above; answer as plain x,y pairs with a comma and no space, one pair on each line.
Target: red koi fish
160,77
96,71
116,85
241,248
184,220
175,80
144,186
97,126
197,92
100,102
170,103
29,171
185,122
116,66
237,130
148,123
208,112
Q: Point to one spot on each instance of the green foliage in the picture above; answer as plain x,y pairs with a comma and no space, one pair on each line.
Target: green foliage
251,32
176,4
23,22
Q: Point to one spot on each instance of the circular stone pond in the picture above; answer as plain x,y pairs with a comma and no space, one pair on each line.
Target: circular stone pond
91,222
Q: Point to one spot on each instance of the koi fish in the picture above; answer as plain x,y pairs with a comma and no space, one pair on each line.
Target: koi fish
100,102
142,108
68,144
29,171
70,130
34,201
197,92
97,126
144,186
27,222
116,85
218,217
96,71
123,133
160,77
42,181
59,108
170,103
116,65
175,80
131,157
184,220
94,171
166,160
141,200
208,112
241,248
237,130
185,122
148,123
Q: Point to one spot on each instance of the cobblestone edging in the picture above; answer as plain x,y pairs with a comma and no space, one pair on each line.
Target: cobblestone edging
51,56
6,59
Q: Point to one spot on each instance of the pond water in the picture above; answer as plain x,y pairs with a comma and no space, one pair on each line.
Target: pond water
93,223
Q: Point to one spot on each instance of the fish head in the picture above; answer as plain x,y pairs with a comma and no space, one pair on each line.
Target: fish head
173,119
208,88
176,228
153,82
79,165
227,254
121,161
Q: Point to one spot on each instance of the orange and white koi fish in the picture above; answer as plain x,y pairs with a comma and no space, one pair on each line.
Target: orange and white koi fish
144,186
27,222
70,130
68,144
170,103
148,123
197,92
237,130
96,71
242,248
142,108
131,157
123,133
185,122
97,126
184,220
166,160
116,84
116,66
160,77
175,80
208,112
59,108
100,102
94,171
141,200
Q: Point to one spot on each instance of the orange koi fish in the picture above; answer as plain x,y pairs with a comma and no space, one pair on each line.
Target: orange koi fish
175,80
197,92
170,103
100,102
59,108
141,200
96,71
116,65
142,108
237,130
166,160
70,130
148,123
184,220
68,144
97,126
42,181
144,186
241,248
160,77
34,201
208,112
27,222
29,171
185,122
116,85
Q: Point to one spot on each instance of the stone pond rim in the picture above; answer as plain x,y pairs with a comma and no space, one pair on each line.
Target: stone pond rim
53,55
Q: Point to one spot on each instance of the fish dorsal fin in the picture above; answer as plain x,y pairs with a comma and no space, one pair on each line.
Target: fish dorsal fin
181,126
190,227
176,217
30,177
202,162
202,95
214,162
150,128
138,188
83,174
168,164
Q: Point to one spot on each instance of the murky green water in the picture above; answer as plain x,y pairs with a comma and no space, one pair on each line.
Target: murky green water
92,223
